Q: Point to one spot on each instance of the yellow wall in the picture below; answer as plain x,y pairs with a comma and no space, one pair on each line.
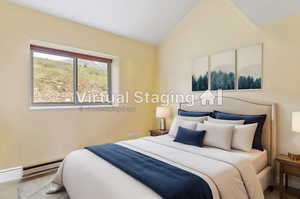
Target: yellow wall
217,25
28,137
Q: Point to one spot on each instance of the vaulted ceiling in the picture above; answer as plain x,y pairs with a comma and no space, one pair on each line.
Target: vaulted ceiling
263,12
150,21
143,20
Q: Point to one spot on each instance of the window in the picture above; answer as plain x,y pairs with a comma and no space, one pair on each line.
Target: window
62,78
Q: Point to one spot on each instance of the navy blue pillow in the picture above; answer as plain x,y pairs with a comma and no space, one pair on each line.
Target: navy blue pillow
190,137
249,119
193,114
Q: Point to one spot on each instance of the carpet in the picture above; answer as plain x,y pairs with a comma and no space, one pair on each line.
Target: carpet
37,188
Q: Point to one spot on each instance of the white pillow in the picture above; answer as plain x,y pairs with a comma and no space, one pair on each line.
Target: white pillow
213,120
217,135
243,136
177,122
196,119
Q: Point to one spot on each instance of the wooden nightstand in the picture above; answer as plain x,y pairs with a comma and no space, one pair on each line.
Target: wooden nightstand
287,168
158,132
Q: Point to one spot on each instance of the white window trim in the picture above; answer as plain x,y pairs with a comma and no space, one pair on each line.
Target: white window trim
115,76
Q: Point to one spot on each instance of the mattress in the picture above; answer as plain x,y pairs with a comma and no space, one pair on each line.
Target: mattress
229,175
265,177
259,159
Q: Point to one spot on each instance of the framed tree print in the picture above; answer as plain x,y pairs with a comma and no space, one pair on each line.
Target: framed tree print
249,67
200,74
223,72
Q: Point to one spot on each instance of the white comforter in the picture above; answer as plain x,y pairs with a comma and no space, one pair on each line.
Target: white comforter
87,176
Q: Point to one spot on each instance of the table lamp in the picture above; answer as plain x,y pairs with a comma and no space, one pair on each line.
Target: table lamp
295,128
162,112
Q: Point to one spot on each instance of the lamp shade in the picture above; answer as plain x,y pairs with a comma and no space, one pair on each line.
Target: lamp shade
162,112
296,122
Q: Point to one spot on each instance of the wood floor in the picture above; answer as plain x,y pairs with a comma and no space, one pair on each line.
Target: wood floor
24,190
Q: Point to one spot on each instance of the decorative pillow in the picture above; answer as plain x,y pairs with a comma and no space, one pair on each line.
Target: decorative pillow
193,114
217,135
190,137
196,119
177,122
218,121
249,119
243,136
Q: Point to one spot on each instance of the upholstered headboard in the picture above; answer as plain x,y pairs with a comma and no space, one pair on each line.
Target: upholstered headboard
249,107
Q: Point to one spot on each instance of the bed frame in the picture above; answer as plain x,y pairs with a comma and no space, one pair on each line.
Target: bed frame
250,107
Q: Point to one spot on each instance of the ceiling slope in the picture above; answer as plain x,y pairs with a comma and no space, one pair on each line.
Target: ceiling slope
262,12
147,21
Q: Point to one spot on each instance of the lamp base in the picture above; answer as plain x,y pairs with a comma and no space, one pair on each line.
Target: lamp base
293,156
162,124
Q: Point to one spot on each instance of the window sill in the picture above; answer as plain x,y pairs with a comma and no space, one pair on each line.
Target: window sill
36,108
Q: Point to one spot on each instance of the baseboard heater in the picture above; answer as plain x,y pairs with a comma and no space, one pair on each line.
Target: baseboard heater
39,169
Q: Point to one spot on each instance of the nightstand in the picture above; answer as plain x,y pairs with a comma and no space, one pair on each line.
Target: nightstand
287,168
158,132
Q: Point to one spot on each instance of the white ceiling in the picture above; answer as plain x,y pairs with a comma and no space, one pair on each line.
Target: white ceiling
150,20
263,12
143,20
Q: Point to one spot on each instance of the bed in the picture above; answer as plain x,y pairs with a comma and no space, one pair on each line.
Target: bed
229,174
265,162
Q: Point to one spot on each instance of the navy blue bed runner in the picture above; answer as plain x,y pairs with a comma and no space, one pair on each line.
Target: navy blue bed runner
166,180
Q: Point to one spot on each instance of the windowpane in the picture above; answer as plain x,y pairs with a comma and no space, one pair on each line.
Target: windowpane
92,82
52,78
